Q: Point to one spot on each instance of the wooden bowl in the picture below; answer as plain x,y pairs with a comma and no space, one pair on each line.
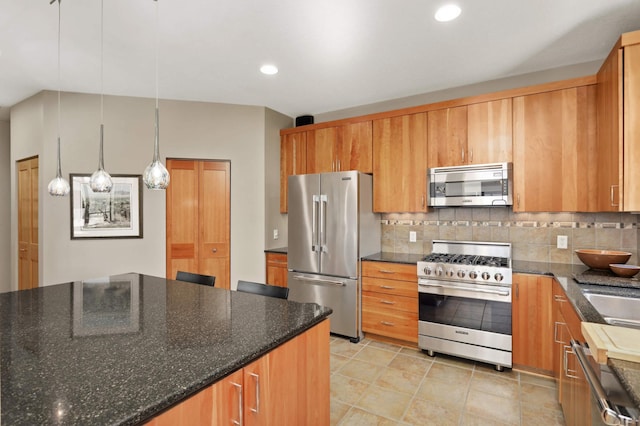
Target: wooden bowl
601,259
623,270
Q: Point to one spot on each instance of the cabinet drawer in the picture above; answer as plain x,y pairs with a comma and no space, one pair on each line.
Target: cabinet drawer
397,325
393,271
388,302
278,260
392,287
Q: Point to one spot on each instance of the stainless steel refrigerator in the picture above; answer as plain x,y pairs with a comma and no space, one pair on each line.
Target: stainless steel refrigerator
331,226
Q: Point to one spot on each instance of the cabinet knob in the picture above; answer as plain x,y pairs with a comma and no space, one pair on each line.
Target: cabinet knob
214,250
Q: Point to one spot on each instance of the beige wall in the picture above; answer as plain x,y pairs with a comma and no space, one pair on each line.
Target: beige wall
187,130
5,209
274,219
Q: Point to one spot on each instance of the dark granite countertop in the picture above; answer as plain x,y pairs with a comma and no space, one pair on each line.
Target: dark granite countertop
394,257
121,349
280,250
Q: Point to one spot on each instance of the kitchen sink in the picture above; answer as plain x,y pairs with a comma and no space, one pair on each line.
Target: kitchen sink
616,310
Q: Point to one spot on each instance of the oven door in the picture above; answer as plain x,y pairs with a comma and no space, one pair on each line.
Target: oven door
470,306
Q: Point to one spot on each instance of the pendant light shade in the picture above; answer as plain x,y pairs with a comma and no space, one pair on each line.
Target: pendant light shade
59,186
101,180
156,175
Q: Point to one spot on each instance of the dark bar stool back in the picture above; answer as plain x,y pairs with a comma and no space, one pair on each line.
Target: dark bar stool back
263,289
196,278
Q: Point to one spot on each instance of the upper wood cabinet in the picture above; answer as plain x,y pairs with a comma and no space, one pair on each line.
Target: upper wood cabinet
342,148
400,163
618,144
471,134
293,161
553,150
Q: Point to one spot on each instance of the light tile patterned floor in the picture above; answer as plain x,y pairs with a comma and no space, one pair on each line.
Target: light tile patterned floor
376,383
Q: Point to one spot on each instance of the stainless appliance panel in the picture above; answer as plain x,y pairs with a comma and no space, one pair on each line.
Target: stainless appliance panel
339,224
471,185
466,335
303,249
339,294
464,350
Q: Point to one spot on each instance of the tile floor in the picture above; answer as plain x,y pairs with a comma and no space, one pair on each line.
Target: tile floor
376,383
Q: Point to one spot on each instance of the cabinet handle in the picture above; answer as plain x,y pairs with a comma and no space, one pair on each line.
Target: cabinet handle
518,200
240,405
572,374
559,298
463,155
555,332
390,324
471,156
23,249
333,166
517,290
257,409
423,201
294,158
339,168
387,287
387,302
384,271
612,203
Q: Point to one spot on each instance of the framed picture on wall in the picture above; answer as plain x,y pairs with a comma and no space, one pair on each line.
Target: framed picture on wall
115,214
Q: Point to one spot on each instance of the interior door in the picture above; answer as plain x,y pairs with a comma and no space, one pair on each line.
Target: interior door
214,212
28,223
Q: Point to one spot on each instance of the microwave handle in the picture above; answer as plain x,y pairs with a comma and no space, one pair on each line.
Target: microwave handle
609,414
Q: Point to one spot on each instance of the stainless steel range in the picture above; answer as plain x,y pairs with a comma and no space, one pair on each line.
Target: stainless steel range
465,301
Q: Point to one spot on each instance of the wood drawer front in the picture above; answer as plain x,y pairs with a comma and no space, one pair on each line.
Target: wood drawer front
396,324
277,260
379,302
392,287
388,270
572,320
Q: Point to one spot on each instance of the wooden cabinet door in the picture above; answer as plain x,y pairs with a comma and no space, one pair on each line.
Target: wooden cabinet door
321,155
489,132
214,223
227,396
277,269
447,137
196,410
28,223
631,128
554,145
532,321
257,396
293,161
400,164
355,147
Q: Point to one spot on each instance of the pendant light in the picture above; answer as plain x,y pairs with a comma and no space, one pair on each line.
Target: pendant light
156,175
59,186
100,179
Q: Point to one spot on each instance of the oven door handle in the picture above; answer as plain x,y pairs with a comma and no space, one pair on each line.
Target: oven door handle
610,415
475,290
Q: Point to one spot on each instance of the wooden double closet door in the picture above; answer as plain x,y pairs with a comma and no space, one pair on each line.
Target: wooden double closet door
27,223
198,218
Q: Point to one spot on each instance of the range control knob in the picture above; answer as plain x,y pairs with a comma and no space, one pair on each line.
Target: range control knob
498,276
439,271
473,275
449,273
427,270
486,276
461,274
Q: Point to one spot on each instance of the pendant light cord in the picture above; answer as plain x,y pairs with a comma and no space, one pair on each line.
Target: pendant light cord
157,48
59,20
101,61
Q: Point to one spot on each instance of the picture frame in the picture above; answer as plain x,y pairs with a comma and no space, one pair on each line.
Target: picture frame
114,214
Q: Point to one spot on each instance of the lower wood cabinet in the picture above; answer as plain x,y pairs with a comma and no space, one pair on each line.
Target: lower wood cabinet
390,300
573,390
287,386
277,269
532,322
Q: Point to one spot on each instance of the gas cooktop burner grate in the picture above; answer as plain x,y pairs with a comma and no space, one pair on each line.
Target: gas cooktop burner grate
467,259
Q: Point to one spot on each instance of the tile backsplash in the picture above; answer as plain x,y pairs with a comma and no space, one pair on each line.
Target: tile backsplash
533,235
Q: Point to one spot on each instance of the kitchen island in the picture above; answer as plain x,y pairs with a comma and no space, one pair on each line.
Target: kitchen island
124,349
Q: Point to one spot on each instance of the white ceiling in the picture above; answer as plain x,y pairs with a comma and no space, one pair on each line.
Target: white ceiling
332,54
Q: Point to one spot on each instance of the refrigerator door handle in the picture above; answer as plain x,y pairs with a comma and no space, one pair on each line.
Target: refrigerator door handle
323,223
314,224
319,280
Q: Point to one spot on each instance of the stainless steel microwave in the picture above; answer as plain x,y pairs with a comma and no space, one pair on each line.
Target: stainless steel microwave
471,185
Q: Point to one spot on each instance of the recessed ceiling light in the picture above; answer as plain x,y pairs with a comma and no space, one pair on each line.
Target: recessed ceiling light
269,69
447,13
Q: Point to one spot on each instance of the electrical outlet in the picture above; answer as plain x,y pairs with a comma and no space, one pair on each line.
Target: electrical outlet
563,241
275,234
412,236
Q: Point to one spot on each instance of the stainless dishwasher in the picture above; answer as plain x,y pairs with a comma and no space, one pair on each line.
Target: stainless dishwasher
610,404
